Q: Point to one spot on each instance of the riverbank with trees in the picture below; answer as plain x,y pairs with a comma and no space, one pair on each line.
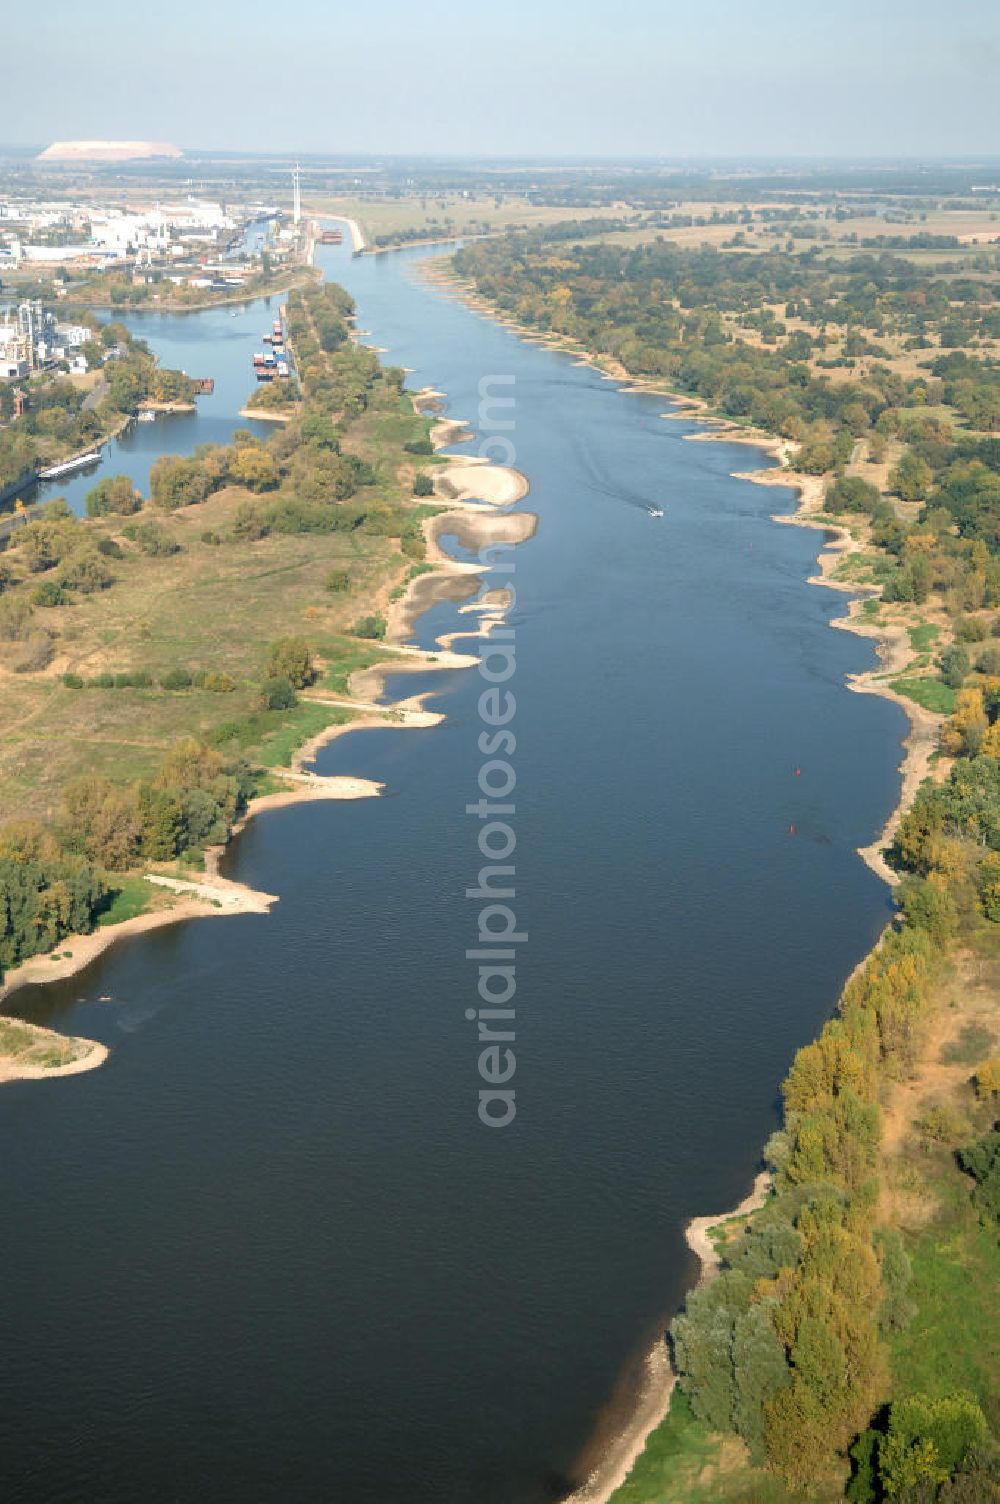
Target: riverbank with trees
881,382
164,658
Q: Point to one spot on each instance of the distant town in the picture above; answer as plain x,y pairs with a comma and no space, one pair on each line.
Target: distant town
196,243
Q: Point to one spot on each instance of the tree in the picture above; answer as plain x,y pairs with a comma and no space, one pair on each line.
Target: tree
981,1160
277,693
176,482
44,895
318,430
954,666
927,1440
290,658
849,493
254,466
113,494
760,1369
702,1338
911,477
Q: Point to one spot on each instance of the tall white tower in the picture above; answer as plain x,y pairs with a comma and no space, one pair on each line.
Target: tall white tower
296,197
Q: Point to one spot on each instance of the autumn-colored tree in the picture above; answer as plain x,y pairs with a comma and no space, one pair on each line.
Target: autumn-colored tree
290,658
254,466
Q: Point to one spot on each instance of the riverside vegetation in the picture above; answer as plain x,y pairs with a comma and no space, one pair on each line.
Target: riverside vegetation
849,1341
154,655
67,415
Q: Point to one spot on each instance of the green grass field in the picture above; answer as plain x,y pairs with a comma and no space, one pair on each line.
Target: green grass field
930,693
129,897
211,606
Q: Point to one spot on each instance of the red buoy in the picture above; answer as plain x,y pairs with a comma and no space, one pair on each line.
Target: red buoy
791,830
798,772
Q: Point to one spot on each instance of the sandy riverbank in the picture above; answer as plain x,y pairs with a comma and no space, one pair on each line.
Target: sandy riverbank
650,1400
201,897
265,415
475,479
891,642
91,1055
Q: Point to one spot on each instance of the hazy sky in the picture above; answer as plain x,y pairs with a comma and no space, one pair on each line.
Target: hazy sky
538,77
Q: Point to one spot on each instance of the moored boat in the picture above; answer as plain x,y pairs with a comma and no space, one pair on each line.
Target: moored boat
67,466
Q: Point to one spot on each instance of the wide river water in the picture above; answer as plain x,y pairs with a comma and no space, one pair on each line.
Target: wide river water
268,1252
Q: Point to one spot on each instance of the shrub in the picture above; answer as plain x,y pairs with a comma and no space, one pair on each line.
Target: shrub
214,681
943,1123
338,580
419,446
72,681
250,523
16,618
423,485
48,593
176,678
987,1080
151,539
371,627
928,904
85,571
30,654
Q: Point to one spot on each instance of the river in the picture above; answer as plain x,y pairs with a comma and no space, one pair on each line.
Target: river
268,1251
217,342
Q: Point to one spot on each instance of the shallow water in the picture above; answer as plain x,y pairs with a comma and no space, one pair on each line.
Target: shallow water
268,1251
